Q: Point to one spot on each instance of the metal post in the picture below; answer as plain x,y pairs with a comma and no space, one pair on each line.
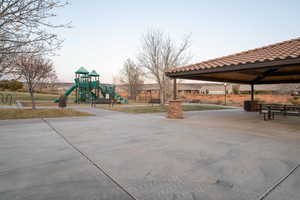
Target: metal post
174,89
76,93
225,93
252,92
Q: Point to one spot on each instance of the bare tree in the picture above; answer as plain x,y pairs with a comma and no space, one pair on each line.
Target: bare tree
160,53
25,28
6,64
34,70
132,78
49,82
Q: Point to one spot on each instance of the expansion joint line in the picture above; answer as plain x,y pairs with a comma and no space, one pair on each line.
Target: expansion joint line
277,183
91,161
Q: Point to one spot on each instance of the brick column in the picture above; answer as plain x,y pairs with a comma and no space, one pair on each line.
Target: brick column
175,110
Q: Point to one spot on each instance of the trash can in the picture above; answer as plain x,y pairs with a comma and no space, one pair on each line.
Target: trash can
251,106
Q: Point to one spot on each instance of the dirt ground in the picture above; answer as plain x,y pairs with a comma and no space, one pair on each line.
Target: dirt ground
233,98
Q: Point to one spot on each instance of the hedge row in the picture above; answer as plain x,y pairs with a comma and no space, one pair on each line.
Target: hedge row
11,85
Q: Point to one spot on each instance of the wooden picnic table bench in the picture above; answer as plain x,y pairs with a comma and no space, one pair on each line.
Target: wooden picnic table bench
270,110
154,101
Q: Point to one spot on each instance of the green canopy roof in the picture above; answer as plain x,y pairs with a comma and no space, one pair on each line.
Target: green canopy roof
93,73
81,70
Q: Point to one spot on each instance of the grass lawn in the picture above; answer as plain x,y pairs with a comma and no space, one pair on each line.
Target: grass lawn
155,109
39,113
38,96
50,103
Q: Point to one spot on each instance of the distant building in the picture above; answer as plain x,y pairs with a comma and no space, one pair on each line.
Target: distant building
63,85
204,88
216,88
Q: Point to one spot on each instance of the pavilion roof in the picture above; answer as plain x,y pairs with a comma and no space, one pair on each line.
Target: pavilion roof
276,63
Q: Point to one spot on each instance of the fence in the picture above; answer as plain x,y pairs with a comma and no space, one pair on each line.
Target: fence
7,99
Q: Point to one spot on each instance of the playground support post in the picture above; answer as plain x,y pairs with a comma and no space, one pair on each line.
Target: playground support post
225,93
77,89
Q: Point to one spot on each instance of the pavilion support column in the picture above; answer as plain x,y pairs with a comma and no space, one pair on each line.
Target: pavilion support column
252,92
251,105
174,89
174,107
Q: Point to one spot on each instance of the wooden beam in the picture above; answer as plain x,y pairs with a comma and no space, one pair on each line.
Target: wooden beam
278,82
264,75
201,78
291,73
252,73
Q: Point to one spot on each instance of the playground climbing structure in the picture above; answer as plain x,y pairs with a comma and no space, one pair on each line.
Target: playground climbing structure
88,89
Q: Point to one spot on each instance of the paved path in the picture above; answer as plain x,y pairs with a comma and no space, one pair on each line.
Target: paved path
9,106
225,154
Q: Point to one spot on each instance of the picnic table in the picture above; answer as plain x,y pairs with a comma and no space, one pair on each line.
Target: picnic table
270,110
154,101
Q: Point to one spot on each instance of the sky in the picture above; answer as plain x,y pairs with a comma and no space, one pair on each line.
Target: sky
105,33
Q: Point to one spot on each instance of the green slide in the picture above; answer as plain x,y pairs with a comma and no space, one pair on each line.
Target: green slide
111,91
68,92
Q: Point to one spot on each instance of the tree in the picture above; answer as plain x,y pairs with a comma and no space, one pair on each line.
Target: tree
34,70
49,82
132,77
6,64
25,28
160,53
236,89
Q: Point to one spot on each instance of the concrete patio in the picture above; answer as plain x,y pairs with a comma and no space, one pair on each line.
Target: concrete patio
211,155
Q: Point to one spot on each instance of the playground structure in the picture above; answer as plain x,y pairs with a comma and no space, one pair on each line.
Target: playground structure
88,89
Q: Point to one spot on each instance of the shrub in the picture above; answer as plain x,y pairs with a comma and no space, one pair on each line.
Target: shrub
12,85
236,89
4,84
219,102
294,101
15,85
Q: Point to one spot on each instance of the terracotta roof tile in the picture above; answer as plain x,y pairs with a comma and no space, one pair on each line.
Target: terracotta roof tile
278,51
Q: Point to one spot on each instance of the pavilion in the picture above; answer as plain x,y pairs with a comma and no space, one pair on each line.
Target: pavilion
272,64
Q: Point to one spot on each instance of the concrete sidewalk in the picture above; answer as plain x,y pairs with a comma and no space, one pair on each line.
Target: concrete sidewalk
225,154
35,163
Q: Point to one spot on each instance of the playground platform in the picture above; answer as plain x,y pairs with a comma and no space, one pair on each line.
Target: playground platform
225,154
